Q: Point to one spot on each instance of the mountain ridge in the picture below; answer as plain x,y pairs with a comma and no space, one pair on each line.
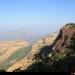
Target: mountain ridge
51,48
60,43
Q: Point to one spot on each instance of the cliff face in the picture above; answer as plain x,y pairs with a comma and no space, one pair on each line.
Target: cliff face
62,62
59,43
64,38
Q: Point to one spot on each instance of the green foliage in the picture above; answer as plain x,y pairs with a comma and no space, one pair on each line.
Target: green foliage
71,25
60,62
21,53
72,43
2,71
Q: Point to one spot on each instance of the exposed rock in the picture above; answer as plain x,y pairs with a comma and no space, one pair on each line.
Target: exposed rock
64,37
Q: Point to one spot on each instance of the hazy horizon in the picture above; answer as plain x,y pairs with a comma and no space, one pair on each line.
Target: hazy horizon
39,17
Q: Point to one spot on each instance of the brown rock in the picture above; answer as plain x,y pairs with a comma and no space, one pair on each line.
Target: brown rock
63,40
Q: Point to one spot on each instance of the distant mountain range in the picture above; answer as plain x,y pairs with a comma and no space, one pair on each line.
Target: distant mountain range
20,34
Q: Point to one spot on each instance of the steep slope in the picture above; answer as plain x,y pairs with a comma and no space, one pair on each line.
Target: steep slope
49,52
62,58
28,60
63,55
64,37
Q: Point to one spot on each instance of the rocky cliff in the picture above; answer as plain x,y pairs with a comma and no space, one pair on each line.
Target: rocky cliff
46,47
64,37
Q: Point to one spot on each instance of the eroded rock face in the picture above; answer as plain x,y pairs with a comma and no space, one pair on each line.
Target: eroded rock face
28,60
63,40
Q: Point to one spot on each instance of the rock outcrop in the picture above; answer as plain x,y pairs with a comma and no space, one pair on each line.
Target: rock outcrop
64,37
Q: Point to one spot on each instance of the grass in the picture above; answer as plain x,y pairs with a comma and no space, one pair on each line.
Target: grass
15,57
71,25
57,63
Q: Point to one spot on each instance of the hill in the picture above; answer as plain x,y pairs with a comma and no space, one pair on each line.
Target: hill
59,56
25,62
63,54
10,52
54,53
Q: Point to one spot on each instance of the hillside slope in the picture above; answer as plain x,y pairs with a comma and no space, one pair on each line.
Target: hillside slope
62,58
63,55
54,53
28,60
8,50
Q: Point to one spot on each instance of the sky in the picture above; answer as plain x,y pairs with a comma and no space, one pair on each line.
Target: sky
37,16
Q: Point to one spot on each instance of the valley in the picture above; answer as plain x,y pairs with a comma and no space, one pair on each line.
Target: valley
12,51
21,56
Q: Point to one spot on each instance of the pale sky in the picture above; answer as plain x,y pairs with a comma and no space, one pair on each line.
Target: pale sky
38,16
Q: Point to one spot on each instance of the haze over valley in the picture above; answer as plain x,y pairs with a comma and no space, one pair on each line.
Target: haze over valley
37,35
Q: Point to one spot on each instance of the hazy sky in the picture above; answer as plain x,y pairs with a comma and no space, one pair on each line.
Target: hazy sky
38,16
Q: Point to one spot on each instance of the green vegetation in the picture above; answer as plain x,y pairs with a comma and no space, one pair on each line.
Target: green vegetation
72,45
71,25
2,71
15,57
59,62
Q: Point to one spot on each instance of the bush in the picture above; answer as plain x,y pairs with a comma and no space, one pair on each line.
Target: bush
60,62
71,25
